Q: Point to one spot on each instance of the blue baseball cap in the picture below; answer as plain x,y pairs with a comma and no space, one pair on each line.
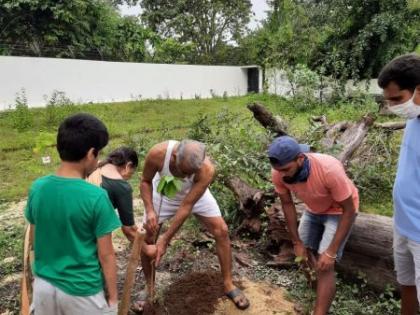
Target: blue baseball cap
285,149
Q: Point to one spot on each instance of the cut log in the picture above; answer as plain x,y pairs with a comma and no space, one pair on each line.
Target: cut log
267,119
368,251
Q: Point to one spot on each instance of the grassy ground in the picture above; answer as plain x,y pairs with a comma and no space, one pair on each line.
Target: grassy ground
139,124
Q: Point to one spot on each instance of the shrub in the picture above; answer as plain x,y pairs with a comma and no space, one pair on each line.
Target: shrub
21,116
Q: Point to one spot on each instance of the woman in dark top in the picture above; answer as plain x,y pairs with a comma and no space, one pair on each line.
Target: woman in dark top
112,175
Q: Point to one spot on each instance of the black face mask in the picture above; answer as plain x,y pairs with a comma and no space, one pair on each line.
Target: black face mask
301,174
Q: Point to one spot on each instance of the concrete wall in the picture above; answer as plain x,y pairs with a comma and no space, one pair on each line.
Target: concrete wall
278,84
98,81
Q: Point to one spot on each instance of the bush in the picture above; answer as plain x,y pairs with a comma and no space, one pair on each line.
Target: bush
59,106
21,116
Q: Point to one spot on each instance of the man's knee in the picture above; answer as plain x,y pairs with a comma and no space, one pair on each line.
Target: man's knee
221,232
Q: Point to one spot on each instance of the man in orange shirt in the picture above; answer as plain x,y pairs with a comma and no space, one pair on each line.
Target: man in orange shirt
332,200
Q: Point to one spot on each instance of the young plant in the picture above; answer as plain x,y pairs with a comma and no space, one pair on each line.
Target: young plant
169,186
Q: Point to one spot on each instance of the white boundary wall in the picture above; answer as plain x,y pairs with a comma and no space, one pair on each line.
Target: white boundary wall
99,81
278,84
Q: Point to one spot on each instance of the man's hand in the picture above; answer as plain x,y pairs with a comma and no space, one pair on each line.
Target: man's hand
300,250
161,246
325,263
151,223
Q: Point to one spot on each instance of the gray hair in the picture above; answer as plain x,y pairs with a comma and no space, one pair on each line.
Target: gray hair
192,152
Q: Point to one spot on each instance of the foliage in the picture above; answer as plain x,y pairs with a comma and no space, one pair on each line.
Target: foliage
22,118
169,186
367,34
343,39
129,43
58,107
352,298
305,86
374,171
237,147
43,141
208,25
87,29
170,50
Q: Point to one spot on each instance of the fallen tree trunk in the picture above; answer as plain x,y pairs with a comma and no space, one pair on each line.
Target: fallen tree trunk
368,252
267,120
251,203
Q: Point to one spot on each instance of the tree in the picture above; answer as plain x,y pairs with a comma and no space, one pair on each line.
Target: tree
341,38
78,28
366,35
206,24
129,42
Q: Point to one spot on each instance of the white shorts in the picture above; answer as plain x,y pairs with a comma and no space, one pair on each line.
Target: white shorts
47,299
206,206
407,261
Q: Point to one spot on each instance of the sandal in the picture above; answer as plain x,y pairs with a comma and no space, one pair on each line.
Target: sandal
242,303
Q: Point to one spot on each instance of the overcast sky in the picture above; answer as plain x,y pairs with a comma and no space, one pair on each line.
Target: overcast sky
258,7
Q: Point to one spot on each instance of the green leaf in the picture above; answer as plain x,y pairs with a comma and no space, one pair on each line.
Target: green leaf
178,184
170,190
298,259
161,185
169,186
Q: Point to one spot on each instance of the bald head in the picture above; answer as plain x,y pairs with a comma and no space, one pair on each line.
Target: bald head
190,154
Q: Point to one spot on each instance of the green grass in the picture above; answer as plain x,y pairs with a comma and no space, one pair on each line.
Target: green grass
142,123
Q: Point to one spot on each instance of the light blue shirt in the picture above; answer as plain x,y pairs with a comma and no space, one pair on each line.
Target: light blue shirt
407,184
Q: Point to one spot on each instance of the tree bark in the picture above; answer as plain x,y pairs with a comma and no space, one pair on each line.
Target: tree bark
267,120
353,137
251,203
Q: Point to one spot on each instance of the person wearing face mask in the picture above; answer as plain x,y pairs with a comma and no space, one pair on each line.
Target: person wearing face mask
400,81
331,200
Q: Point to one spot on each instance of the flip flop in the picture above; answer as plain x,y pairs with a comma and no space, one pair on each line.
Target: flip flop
242,303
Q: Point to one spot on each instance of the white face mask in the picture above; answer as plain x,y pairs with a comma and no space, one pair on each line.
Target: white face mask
407,110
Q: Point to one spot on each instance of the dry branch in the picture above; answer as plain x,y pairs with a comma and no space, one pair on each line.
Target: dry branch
393,125
267,120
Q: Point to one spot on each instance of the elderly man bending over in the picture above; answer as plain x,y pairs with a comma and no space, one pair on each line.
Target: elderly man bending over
187,161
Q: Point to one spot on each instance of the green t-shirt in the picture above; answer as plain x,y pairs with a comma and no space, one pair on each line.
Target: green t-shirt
69,215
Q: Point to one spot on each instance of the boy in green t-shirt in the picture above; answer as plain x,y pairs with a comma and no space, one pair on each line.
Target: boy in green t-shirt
72,222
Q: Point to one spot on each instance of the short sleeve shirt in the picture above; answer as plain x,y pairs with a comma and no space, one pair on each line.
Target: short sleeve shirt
69,215
327,185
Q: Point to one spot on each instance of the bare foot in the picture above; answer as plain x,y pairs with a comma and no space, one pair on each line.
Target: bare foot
149,250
